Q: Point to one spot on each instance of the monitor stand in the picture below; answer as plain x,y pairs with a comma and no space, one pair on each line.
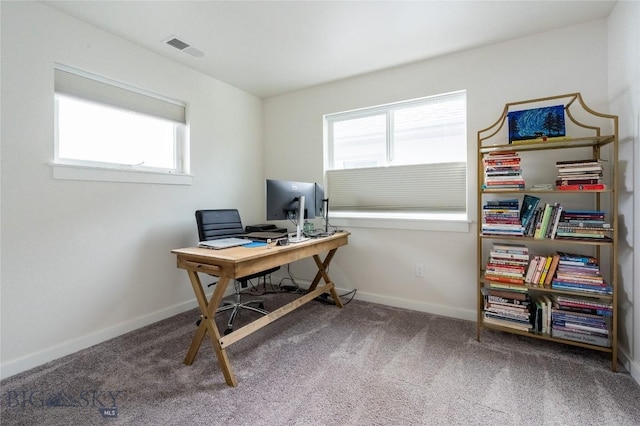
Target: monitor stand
299,236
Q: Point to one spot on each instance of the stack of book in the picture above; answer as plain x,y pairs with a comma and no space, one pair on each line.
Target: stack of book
581,320
542,270
502,171
577,175
507,309
583,224
502,217
547,220
579,273
506,266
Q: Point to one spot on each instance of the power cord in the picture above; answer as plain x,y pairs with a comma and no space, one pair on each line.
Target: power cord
327,299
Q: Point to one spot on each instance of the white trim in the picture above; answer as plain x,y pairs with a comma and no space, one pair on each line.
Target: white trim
107,174
446,222
397,302
69,347
430,308
66,348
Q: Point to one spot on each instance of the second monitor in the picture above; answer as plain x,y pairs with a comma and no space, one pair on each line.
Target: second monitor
283,199
291,200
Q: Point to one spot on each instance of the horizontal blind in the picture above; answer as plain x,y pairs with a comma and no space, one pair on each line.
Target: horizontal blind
421,187
115,94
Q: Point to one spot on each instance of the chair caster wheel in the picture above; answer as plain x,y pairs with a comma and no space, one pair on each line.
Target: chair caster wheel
228,330
198,322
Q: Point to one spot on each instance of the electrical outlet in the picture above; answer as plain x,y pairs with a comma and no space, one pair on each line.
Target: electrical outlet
419,269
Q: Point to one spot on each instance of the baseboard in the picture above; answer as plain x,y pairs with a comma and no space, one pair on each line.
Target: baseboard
398,302
632,367
431,308
36,359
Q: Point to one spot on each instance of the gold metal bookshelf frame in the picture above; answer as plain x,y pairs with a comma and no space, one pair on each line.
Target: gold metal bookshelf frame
594,139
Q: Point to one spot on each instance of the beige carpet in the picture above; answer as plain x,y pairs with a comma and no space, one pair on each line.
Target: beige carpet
365,364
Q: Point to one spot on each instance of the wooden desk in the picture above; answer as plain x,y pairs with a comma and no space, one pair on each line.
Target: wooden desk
236,262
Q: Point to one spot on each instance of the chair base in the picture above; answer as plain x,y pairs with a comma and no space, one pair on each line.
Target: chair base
237,306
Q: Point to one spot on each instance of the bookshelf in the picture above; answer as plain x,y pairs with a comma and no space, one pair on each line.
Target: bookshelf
552,278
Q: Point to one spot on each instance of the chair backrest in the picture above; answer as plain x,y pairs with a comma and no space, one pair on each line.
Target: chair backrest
222,223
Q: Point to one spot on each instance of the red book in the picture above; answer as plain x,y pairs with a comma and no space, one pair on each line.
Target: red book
587,187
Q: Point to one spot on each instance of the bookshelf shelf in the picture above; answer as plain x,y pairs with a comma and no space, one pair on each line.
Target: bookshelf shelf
545,286
547,337
531,288
548,191
602,242
595,141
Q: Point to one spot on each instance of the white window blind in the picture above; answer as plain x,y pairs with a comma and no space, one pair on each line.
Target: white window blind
97,89
402,157
402,188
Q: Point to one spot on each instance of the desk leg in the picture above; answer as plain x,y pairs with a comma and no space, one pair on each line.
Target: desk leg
322,273
208,325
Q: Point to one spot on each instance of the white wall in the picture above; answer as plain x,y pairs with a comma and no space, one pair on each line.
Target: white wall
85,261
379,263
624,94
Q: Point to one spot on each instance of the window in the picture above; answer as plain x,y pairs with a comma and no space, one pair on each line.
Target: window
407,158
107,126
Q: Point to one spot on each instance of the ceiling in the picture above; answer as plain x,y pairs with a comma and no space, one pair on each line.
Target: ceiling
269,48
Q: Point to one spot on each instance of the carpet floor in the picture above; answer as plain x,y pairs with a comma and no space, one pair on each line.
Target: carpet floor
365,364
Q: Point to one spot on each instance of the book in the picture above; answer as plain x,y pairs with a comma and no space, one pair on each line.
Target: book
528,208
580,337
490,319
577,301
584,215
586,224
545,270
548,304
581,169
573,180
532,269
500,255
574,163
578,258
539,268
583,187
507,286
504,294
510,248
561,285
503,278
544,222
552,270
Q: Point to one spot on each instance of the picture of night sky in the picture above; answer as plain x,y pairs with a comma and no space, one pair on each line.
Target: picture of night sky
536,123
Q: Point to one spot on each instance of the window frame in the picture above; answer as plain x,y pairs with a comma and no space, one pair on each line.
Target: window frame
421,220
82,88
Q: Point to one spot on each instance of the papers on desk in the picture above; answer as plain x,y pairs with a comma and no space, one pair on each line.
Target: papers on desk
223,243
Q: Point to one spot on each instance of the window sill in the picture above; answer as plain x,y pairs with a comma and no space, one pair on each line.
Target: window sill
446,222
106,174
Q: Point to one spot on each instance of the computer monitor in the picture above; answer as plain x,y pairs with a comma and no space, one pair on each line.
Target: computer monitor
322,206
291,200
319,196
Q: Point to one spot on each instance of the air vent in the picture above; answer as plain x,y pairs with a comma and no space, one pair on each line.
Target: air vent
178,44
183,46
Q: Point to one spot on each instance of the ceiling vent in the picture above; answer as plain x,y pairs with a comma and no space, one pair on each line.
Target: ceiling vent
181,45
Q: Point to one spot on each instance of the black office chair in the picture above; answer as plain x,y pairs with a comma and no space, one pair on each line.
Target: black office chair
224,223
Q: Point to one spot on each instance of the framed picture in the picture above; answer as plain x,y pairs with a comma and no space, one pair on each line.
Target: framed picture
536,124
